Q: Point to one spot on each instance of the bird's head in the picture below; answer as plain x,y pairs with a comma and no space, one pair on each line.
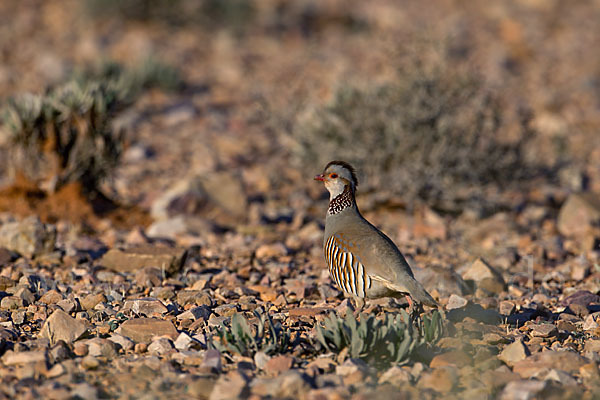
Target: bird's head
336,176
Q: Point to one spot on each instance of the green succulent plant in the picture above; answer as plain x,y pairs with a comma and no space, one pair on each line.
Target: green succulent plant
242,338
391,340
66,135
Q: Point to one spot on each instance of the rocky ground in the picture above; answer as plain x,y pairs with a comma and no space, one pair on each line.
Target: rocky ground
218,217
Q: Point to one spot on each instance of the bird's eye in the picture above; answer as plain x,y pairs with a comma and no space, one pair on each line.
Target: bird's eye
333,176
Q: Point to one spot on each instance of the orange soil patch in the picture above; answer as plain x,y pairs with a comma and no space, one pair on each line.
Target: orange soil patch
68,203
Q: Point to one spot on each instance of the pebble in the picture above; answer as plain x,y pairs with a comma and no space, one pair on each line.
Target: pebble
61,326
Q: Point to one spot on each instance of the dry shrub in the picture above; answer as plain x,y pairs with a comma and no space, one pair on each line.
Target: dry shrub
435,134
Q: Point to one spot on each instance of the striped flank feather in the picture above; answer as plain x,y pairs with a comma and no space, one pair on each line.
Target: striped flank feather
345,268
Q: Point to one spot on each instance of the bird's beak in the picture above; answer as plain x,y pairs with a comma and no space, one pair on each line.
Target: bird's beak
320,177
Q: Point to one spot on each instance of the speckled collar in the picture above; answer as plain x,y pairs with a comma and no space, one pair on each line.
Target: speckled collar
341,201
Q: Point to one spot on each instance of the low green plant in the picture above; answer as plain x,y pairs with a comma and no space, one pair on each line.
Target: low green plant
380,342
243,338
66,135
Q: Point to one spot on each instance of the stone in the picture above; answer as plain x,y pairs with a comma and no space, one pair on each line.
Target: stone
522,390
124,343
444,280
61,326
581,297
90,301
278,364
441,380
514,352
289,385
184,341
261,359
142,330
454,358
231,386
160,346
543,330
220,196
24,357
99,347
51,297
6,256
506,307
578,214
90,362
271,251
396,376
145,306
485,276
11,303
561,377
456,301
591,322
134,258
212,360
196,313
29,237
542,362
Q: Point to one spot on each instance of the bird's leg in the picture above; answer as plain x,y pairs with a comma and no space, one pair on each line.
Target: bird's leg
414,309
359,303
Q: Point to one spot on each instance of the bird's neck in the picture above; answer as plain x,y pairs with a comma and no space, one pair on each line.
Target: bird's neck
342,201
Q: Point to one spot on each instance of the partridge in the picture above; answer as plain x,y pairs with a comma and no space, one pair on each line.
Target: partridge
362,260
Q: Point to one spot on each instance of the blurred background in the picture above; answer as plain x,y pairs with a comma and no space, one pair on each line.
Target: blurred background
140,110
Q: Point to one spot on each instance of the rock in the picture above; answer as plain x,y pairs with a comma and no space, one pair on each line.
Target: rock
218,196
142,330
11,303
561,377
543,330
522,390
289,385
454,358
540,363
591,322
445,280
196,313
198,297
506,307
29,237
183,341
90,301
125,343
581,297
514,352
229,387
6,256
51,297
396,376
441,380
578,214
485,276
24,357
6,282
61,326
146,306
271,250
278,364
212,361
261,359
90,363
456,302
135,258
353,371
99,347
160,346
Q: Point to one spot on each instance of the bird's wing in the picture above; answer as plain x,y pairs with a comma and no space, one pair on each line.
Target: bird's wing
345,265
